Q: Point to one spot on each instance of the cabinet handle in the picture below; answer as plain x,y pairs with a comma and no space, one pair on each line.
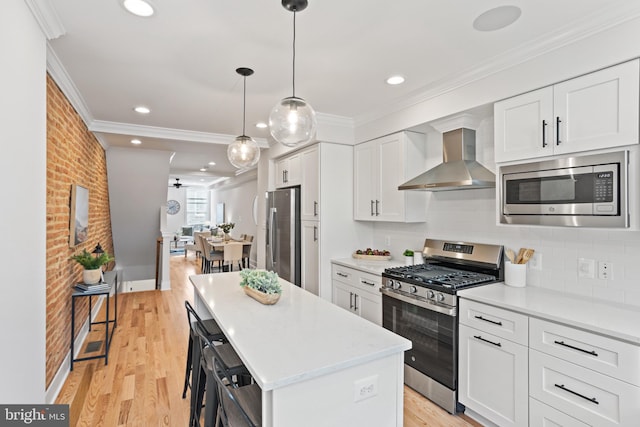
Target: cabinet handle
350,300
342,274
284,179
372,214
377,208
315,208
590,399
355,302
367,283
315,233
488,320
497,344
576,348
558,121
544,133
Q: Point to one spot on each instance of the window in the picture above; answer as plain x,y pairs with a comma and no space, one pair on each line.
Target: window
197,206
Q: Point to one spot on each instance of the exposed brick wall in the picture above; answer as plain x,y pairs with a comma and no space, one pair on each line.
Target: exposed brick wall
74,156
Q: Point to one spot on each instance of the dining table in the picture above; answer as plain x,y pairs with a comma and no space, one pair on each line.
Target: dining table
219,244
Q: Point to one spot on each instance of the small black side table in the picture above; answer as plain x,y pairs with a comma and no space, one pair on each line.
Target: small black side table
110,277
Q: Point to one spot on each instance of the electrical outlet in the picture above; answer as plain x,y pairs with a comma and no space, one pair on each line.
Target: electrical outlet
605,270
586,268
365,388
387,241
535,262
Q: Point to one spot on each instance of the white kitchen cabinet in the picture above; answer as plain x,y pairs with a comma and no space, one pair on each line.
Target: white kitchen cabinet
493,376
595,111
310,244
310,182
541,415
358,292
325,171
288,171
380,166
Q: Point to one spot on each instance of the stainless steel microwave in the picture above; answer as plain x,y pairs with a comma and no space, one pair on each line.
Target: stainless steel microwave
581,191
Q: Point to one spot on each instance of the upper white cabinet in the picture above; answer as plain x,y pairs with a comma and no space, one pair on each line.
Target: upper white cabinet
288,171
380,166
310,181
594,111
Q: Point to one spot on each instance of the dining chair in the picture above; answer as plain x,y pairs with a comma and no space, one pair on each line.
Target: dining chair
246,250
232,254
211,256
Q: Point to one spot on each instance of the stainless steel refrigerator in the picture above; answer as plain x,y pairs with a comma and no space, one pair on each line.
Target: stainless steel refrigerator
283,233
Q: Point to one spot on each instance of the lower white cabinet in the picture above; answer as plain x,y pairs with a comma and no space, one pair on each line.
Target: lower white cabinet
310,243
357,292
492,377
541,415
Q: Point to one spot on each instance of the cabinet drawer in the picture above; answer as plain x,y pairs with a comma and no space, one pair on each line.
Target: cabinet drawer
589,396
503,323
541,415
343,274
606,355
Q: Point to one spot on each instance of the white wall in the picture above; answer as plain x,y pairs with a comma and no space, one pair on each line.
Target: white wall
137,189
238,200
23,217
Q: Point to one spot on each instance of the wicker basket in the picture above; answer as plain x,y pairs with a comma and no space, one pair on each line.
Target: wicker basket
261,297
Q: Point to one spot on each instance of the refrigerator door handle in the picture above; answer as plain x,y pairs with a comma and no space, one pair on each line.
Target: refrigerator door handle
271,234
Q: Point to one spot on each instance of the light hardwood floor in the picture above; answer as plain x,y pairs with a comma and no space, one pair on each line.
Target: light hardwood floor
142,384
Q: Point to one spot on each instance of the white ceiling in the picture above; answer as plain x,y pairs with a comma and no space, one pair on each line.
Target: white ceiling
181,62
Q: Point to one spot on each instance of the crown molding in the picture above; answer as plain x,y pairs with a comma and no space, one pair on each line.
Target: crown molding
602,20
47,18
166,133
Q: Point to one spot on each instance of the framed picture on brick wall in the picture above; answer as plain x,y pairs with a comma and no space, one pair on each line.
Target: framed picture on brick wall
79,218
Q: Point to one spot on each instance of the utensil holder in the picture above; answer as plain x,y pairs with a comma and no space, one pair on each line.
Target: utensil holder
515,274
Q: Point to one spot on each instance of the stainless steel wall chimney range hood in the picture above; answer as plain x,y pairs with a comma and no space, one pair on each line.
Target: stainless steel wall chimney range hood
459,170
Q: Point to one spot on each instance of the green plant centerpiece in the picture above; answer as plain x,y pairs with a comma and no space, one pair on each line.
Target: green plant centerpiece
92,264
407,252
263,286
226,227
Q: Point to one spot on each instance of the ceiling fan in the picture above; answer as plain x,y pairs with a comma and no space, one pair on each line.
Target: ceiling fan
177,184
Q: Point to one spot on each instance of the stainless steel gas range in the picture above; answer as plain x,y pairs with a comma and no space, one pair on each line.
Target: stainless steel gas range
419,302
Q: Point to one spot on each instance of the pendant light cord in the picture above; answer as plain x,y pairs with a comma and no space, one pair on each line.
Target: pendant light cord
294,53
244,104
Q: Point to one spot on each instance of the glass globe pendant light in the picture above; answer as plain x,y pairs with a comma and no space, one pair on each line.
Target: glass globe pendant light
292,121
243,152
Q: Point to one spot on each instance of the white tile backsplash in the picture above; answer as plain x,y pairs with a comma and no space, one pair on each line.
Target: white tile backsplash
470,216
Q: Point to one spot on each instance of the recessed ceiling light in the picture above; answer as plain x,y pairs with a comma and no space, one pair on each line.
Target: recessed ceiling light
212,163
261,125
138,7
136,142
203,169
142,109
497,18
395,80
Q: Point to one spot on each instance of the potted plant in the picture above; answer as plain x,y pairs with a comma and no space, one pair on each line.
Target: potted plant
263,286
408,257
92,264
226,227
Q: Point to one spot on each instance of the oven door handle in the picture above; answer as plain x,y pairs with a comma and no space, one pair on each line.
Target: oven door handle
424,304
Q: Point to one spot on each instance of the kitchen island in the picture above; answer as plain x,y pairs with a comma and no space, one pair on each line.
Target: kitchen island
317,364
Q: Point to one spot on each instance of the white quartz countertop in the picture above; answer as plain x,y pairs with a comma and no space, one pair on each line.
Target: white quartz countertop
615,320
302,336
374,267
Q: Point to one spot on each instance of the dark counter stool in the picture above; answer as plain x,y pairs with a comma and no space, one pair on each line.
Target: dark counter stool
232,368
237,406
193,351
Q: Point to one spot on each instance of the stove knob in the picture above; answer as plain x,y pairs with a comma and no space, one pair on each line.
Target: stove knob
440,297
389,284
431,294
413,290
396,285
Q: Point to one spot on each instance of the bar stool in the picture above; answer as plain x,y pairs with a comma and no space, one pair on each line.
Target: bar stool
193,351
230,366
237,406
